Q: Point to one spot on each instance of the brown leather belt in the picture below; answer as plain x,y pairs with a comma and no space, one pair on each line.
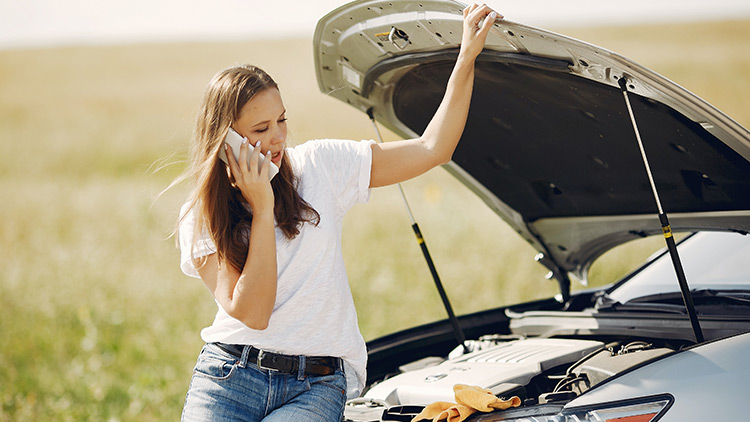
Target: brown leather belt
288,364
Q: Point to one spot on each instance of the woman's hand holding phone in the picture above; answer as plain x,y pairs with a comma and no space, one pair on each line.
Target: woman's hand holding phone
234,140
251,171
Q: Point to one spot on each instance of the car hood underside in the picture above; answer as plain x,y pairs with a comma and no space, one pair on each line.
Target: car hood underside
549,144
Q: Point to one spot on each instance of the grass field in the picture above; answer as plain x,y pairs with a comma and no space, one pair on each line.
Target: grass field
97,321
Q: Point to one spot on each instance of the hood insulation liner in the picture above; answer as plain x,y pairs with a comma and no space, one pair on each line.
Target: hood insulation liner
552,144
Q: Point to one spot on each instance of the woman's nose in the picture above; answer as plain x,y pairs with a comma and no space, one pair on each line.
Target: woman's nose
279,135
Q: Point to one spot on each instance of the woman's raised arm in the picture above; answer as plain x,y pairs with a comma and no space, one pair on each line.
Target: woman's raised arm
394,162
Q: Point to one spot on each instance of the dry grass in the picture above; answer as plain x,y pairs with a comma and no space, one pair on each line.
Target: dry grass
99,324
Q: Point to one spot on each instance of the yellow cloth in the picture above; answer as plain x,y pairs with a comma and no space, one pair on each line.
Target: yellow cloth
469,399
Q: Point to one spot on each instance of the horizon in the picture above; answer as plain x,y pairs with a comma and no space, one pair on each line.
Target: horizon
47,23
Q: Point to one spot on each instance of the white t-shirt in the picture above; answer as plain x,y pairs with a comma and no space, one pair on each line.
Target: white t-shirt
314,313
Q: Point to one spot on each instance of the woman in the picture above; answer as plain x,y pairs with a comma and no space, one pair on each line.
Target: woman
285,345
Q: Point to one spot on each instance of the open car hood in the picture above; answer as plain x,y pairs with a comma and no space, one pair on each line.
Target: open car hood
549,144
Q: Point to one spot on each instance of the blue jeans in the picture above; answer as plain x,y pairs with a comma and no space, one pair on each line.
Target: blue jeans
224,388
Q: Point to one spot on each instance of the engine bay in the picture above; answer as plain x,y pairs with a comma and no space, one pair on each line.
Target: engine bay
540,371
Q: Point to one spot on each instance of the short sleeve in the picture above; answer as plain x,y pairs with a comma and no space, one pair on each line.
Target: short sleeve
347,164
356,183
203,247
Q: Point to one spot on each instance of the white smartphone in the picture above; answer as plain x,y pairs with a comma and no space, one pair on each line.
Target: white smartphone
234,140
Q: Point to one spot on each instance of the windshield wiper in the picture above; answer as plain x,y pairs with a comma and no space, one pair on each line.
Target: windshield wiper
645,307
742,298
700,296
671,302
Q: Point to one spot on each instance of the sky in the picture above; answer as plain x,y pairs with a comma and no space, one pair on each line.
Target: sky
33,23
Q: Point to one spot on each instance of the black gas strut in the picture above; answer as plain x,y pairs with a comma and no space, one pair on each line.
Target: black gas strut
457,331
687,298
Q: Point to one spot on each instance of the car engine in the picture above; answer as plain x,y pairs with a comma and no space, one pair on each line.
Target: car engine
538,370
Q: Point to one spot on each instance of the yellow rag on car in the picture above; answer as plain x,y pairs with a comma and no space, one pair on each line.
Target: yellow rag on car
469,400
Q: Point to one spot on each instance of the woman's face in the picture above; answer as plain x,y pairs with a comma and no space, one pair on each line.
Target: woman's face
263,119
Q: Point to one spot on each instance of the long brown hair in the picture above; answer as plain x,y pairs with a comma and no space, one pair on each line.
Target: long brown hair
220,208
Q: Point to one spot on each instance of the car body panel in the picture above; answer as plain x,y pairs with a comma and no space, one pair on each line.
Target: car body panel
688,376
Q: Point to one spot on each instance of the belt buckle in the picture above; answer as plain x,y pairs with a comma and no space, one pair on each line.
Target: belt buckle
259,361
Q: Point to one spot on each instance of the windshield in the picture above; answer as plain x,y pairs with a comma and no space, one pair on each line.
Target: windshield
712,260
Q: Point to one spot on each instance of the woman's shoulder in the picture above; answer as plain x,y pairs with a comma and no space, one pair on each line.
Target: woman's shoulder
314,145
321,148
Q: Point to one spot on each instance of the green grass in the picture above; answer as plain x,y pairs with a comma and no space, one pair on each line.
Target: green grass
98,323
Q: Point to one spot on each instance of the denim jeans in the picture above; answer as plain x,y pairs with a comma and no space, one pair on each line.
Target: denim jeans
224,388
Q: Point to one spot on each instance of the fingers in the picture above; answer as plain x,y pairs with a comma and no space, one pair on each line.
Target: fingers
486,24
246,166
249,176
265,168
231,162
480,18
254,154
243,164
259,160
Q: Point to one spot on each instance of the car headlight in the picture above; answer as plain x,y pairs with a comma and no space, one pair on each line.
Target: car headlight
647,409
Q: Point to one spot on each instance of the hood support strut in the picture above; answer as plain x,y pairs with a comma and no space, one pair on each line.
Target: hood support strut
457,331
687,298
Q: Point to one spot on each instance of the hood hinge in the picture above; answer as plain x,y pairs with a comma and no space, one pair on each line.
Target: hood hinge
557,273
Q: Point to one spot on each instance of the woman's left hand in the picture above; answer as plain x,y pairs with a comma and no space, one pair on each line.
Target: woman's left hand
478,21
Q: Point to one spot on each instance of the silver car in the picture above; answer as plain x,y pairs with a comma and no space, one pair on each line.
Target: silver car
579,150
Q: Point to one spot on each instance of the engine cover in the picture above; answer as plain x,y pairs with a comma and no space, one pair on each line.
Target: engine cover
513,362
